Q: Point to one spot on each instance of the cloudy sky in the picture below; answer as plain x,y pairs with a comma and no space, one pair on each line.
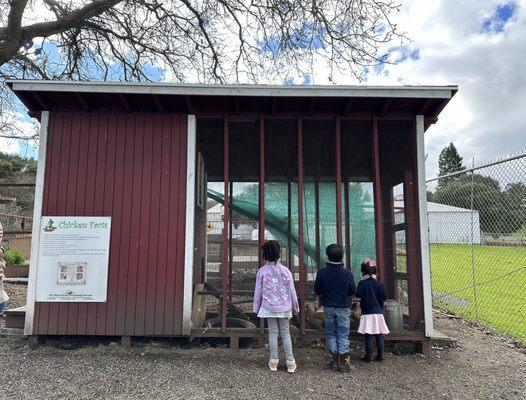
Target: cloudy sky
478,45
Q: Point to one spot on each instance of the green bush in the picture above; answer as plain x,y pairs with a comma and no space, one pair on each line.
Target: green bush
13,256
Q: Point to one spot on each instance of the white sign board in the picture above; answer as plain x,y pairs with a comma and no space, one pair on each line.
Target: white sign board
73,259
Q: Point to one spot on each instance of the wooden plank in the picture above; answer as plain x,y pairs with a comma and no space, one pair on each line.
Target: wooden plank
143,264
52,206
62,317
181,225
98,310
104,202
71,194
91,194
125,246
173,198
164,205
117,133
135,227
198,307
423,234
88,120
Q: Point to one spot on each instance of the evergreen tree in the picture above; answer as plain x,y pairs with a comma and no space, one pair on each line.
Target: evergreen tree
449,161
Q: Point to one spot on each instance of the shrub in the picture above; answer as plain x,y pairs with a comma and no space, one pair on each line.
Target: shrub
13,256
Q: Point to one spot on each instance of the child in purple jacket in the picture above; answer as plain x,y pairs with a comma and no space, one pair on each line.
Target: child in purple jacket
274,299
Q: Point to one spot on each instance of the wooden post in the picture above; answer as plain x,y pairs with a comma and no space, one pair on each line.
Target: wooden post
347,225
224,264
317,215
230,250
290,257
378,213
261,232
338,183
300,225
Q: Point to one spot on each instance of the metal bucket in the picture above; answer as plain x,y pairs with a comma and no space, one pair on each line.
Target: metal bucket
393,316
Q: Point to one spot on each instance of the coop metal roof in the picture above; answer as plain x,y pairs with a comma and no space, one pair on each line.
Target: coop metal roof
39,95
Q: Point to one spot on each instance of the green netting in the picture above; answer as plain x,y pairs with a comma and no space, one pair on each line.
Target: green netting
361,216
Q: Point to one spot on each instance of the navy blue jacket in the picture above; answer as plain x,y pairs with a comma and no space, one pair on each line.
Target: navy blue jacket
334,284
372,295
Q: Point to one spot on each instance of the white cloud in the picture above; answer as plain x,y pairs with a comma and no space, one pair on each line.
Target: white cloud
486,117
10,146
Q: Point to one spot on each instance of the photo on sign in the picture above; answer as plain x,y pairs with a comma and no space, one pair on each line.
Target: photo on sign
71,273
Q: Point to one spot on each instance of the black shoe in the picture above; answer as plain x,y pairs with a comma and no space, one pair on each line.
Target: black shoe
380,355
333,363
368,357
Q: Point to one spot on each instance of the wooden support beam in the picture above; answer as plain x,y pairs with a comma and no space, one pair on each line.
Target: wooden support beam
290,257
338,181
274,107
226,205
385,106
347,225
261,232
302,271
125,102
230,245
348,107
312,105
424,106
40,100
378,212
28,102
84,104
189,106
158,103
317,215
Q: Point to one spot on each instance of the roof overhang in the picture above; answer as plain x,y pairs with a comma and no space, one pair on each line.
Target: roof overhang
201,99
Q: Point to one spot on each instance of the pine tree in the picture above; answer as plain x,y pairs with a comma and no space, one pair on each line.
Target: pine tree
449,161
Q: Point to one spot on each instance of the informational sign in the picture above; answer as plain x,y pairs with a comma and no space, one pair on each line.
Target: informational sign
73,259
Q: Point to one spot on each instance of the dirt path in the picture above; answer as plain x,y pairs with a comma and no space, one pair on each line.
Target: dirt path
481,367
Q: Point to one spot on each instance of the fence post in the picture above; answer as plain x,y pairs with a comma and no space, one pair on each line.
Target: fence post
474,281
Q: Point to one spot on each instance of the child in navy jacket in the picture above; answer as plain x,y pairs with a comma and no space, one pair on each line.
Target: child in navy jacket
334,285
372,295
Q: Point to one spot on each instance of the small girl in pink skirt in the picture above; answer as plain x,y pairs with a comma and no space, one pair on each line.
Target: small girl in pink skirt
372,295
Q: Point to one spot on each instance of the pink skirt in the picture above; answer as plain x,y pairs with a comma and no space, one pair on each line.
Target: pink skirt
373,324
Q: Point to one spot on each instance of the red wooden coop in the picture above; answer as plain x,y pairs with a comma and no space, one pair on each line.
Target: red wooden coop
196,177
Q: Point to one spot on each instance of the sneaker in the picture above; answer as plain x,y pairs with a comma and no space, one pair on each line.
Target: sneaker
291,366
273,364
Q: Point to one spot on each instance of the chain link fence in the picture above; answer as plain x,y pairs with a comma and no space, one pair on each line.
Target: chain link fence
477,234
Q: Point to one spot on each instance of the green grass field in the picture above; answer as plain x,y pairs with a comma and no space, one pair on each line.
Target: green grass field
501,293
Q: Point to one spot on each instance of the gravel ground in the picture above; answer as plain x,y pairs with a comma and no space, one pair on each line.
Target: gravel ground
480,366
17,297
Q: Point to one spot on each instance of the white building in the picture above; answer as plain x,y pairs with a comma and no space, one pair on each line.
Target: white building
447,224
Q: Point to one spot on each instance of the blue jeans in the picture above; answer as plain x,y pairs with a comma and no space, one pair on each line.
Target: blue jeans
337,323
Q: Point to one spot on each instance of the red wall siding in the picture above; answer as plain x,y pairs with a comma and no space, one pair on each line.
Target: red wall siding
131,167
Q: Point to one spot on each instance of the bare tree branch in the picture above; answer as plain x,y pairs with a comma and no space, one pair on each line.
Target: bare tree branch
195,40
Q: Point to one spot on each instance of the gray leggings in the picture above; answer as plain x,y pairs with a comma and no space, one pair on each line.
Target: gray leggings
277,327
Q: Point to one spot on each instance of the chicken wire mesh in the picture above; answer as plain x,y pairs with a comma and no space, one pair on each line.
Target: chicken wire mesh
477,235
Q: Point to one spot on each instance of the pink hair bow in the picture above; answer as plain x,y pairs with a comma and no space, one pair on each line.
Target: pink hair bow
369,261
